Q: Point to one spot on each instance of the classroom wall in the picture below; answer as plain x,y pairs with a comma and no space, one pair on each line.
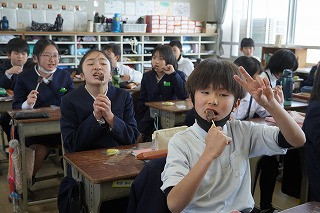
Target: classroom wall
201,10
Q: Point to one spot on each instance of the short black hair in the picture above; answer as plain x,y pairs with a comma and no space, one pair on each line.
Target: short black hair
250,64
217,73
175,43
88,53
166,52
247,42
41,44
19,45
282,59
115,48
315,93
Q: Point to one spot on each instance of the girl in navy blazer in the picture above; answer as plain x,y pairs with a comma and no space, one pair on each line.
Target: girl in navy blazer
164,82
55,83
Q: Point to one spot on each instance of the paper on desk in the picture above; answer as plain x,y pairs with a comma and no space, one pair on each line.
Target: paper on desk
138,151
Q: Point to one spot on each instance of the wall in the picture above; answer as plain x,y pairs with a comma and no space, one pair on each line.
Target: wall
198,8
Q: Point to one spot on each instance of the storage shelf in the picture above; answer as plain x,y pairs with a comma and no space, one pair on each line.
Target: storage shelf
145,40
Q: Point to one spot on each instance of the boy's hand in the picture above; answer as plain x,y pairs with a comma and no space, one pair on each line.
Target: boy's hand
126,78
168,69
216,141
278,94
259,89
32,97
14,70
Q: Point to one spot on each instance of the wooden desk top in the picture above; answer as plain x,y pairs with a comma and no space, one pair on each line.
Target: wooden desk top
261,121
186,105
97,167
53,112
309,207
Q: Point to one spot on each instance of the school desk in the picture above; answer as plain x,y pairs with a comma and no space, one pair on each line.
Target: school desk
5,103
297,105
170,113
310,207
35,127
105,177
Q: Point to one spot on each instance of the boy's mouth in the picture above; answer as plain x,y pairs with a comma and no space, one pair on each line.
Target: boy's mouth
211,114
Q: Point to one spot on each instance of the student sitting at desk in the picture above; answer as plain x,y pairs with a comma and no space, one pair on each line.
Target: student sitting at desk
308,83
127,74
42,85
17,51
207,167
311,129
184,64
164,82
91,120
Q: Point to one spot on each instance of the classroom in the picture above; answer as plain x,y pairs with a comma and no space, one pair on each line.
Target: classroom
159,106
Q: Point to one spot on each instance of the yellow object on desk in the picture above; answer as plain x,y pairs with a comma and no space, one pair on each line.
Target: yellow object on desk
168,103
112,151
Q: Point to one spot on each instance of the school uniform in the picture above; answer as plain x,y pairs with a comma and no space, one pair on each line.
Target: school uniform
248,108
312,148
185,65
49,94
226,185
8,81
135,76
169,87
80,129
272,78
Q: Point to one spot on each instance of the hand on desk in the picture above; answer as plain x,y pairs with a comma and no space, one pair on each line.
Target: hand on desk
102,108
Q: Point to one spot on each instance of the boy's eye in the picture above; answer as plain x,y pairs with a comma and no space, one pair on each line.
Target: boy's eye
205,92
223,95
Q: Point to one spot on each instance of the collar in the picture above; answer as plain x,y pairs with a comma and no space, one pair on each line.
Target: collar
94,98
45,80
180,60
246,98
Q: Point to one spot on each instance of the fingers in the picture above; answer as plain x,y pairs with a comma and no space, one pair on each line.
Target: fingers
248,78
260,80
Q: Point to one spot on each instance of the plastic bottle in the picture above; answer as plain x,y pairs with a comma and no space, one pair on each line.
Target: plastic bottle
4,23
116,77
287,86
116,25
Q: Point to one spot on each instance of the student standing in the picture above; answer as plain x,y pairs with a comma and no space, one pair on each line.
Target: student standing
184,64
311,128
91,120
164,82
55,84
279,61
17,51
113,51
207,167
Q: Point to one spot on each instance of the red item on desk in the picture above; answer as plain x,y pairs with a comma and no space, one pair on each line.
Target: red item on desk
298,117
152,154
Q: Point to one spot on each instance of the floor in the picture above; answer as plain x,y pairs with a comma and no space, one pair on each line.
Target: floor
49,188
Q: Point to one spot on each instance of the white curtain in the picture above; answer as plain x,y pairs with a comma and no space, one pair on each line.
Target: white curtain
219,13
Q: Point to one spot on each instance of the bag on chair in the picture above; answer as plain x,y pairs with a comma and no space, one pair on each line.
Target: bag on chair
70,197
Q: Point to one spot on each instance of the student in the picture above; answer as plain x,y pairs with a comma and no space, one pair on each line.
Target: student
90,120
207,167
312,147
55,84
164,82
113,51
17,51
279,61
184,64
308,83
247,47
282,59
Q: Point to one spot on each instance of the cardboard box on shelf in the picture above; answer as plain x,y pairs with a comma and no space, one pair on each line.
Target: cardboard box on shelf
210,28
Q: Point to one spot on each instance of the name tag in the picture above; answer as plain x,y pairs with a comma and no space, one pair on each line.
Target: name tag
166,83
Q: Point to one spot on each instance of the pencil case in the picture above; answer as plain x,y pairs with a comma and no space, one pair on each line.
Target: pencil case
152,154
30,115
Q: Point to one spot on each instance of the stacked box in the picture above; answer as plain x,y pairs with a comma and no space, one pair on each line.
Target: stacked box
172,24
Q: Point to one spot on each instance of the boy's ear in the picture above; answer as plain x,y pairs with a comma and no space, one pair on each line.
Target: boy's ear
9,55
82,76
35,59
117,57
236,105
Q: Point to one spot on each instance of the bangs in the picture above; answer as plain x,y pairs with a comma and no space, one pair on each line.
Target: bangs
215,73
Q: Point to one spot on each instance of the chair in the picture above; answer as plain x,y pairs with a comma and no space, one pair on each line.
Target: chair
145,193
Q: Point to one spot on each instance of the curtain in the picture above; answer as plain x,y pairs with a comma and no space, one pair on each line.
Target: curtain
219,13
